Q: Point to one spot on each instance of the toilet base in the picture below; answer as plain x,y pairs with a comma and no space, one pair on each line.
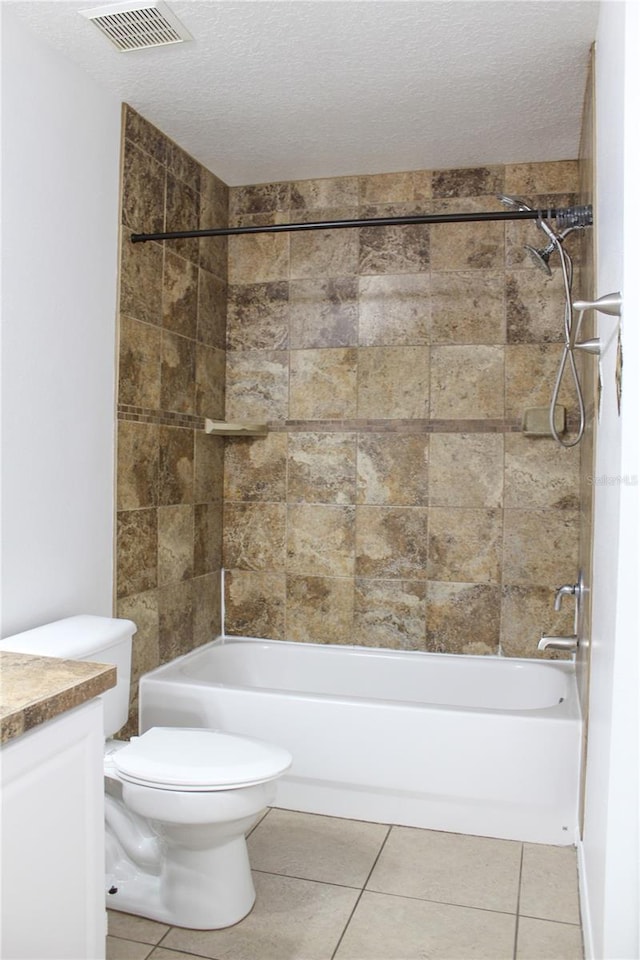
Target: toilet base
196,889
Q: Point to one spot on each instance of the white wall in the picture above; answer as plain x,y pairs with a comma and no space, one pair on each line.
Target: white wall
60,166
610,850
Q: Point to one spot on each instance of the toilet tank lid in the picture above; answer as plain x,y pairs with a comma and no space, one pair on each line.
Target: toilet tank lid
74,638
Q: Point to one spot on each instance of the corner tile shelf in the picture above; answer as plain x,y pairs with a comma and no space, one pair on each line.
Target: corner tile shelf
222,428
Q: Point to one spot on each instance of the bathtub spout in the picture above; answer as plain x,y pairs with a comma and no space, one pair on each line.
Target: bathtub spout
558,643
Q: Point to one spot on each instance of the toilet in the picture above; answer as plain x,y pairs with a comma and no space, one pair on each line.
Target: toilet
178,801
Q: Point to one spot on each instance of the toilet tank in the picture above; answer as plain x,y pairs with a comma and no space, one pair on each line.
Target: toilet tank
100,639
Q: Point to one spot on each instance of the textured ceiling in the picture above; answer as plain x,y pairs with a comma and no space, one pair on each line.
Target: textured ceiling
294,89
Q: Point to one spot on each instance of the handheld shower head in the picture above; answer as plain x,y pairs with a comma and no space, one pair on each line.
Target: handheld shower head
540,258
516,203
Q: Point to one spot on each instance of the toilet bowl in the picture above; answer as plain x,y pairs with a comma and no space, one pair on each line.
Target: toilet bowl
178,801
179,804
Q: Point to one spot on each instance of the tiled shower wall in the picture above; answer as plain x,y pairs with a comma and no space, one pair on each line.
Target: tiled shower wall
395,501
171,375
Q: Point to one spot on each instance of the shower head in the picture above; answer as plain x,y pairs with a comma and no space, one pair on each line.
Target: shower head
516,203
540,258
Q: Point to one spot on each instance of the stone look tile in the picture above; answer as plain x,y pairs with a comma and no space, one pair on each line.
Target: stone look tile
527,614
530,372
396,928
138,457
466,470
467,382
389,613
465,545
319,609
465,309
135,928
175,608
254,536
324,253
540,546
393,250
550,883
120,949
463,618
160,953
258,316
183,166
323,313
142,608
175,543
388,188
393,382
316,848
393,470
141,280
323,194
207,608
310,927
535,307
391,542
321,468
142,191
258,258
137,544
209,381
537,473
145,137
257,385
545,940
256,469
320,540
465,246
212,309
175,465
394,310
450,868
560,176
208,468
179,295
207,538
177,377
139,373
254,604
181,212
259,198
468,182
323,384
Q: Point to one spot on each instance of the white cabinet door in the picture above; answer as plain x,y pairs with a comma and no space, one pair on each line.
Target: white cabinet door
52,889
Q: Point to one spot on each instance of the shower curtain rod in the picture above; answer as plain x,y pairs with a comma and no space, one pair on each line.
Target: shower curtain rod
477,217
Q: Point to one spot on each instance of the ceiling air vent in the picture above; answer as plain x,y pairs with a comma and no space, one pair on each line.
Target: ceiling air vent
137,24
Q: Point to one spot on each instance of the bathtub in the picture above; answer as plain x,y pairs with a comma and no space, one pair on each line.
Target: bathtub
480,745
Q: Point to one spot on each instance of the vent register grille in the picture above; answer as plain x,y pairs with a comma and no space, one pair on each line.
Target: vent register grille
138,25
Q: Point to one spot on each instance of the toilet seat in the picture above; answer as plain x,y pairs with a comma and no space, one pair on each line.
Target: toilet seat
195,759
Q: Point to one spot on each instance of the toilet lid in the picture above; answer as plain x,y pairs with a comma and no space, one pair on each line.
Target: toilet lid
179,758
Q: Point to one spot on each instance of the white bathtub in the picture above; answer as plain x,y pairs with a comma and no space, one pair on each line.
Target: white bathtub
480,745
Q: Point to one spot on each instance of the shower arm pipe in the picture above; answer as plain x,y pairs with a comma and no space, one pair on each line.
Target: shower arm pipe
423,218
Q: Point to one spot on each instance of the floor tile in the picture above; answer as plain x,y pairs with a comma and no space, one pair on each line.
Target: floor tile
396,928
546,940
130,927
316,848
161,954
449,868
119,949
292,920
549,883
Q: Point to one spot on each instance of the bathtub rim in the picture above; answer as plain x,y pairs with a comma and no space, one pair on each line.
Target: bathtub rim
568,709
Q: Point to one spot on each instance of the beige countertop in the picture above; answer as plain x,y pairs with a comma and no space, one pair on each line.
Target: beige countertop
35,689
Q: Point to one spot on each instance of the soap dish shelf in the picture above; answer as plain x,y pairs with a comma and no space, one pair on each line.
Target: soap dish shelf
224,428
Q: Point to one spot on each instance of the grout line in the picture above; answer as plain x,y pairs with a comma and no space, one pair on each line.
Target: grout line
515,935
363,888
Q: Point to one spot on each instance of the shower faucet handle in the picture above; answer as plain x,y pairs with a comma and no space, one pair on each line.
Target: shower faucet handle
610,303
569,644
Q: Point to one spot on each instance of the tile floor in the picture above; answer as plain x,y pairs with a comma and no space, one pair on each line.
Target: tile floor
330,888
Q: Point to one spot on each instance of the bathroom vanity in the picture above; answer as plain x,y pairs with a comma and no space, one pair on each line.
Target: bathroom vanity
52,807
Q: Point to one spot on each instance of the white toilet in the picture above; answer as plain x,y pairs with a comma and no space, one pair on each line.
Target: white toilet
178,801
